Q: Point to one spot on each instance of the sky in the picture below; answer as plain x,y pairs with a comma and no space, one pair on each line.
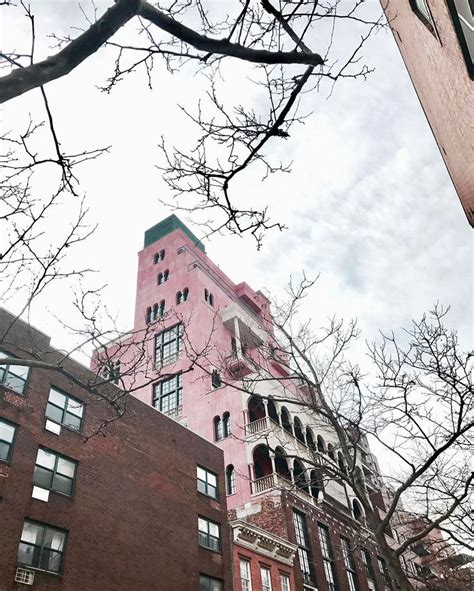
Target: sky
368,204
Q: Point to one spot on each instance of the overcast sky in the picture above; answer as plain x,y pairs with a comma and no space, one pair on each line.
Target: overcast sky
368,203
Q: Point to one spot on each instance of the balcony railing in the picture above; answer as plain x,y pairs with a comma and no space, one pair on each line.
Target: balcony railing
277,481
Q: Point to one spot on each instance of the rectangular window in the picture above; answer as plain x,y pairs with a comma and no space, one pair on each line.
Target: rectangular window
54,472
210,584
349,564
168,344
216,379
266,579
328,559
111,371
421,7
285,583
369,570
207,482
304,550
245,576
13,376
41,546
168,395
7,439
65,409
209,534
385,574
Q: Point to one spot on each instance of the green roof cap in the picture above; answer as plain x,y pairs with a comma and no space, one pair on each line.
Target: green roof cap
165,227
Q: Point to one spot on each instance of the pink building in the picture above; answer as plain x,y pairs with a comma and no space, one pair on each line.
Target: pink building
202,333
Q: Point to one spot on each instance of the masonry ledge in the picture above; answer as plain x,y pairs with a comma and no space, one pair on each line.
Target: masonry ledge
263,542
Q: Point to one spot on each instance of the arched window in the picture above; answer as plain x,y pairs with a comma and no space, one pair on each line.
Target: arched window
159,256
162,308
300,476
148,315
272,411
179,297
331,453
218,428
315,484
230,480
185,294
160,278
162,255
281,464
298,427
211,299
166,274
206,295
256,409
226,423
341,463
262,463
357,510
286,421
155,311
321,445
310,439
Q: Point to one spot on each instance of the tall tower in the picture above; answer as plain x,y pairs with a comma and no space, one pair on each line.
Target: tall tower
203,335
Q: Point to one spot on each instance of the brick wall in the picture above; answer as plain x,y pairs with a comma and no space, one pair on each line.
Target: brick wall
132,521
440,76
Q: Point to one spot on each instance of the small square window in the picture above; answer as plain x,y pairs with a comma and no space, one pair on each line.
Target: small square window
13,377
209,534
65,409
210,584
54,472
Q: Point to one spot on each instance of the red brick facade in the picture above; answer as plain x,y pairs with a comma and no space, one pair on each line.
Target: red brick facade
440,74
132,520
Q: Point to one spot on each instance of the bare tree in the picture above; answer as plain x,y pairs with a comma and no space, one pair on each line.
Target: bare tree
415,400
274,39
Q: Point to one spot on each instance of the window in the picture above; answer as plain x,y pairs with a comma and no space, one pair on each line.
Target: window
285,583
216,379
162,277
168,344
159,256
182,296
369,570
421,7
158,311
7,438
54,472
206,295
207,482
209,534
266,579
462,13
111,371
41,546
349,565
226,424
328,561
304,550
13,376
168,395
245,576
211,299
385,574
230,480
210,584
64,409
218,428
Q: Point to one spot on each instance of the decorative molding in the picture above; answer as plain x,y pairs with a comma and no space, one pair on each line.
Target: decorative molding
263,542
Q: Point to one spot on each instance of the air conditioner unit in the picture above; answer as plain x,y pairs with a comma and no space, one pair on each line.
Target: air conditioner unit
24,576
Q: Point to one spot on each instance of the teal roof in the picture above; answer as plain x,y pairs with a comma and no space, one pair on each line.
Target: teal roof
165,227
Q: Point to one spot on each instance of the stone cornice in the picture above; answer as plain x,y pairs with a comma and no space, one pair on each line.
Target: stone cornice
263,542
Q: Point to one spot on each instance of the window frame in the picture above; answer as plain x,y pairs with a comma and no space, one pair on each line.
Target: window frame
178,338
216,381
285,582
6,372
206,482
177,392
248,574
349,565
210,580
268,573
468,58
46,527
54,472
230,482
208,536
11,444
64,410
304,546
327,552
425,17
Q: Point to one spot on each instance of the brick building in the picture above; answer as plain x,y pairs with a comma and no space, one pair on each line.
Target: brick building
200,334
140,509
436,40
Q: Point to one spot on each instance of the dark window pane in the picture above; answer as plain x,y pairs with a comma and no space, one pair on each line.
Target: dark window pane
203,539
54,413
72,421
42,477
4,450
62,484
28,554
50,561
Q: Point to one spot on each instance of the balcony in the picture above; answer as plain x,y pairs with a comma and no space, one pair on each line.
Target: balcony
276,481
242,326
239,365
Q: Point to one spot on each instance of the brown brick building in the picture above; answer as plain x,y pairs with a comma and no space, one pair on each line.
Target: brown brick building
436,40
115,513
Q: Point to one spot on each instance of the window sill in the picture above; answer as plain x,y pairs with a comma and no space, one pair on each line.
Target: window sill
210,549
